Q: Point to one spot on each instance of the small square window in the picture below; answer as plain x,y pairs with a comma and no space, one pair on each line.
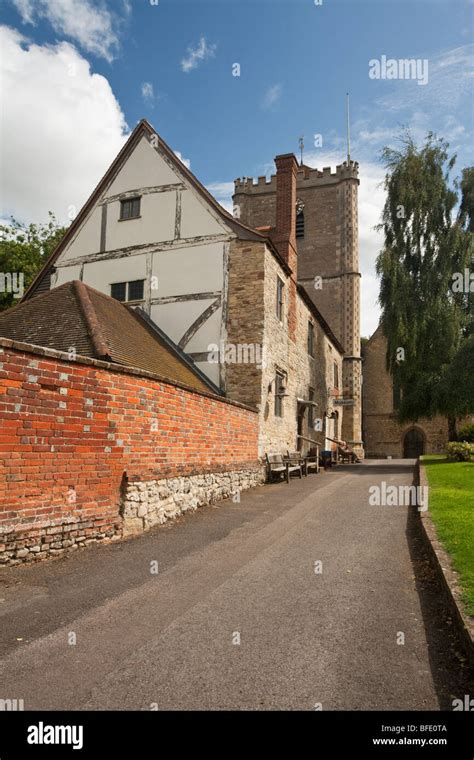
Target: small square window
135,290
119,291
130,208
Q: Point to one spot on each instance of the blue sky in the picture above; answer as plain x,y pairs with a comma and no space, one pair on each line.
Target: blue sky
173,64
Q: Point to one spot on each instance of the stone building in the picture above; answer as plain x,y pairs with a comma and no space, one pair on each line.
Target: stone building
228,295
328,260
268,306
383,434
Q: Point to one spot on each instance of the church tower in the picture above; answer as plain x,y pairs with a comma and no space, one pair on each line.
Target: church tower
328,261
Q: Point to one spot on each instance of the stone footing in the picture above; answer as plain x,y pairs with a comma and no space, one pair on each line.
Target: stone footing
154,502
145,504
37,541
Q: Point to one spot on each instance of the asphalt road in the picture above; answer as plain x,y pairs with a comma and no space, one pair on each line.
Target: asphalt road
237,617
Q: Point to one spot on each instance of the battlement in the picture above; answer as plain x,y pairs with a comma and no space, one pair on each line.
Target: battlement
306,177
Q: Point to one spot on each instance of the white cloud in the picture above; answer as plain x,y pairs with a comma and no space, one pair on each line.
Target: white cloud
147,91
222,192
198,54
88,23
272,96
185,161
449,84
61,130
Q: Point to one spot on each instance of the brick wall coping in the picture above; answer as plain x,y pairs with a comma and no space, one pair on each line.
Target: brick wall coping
52,353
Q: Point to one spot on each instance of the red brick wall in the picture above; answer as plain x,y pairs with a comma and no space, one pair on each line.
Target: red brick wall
70,430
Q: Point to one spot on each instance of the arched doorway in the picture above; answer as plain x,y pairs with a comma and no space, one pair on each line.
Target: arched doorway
413,443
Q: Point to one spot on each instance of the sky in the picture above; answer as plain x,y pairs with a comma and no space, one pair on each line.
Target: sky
228,84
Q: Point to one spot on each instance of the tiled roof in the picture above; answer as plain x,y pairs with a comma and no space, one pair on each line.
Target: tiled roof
76,316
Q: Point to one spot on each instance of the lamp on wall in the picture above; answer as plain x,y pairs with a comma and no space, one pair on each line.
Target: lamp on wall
282,392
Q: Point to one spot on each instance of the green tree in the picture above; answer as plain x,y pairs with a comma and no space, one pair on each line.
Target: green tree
23,251
424,320
466,208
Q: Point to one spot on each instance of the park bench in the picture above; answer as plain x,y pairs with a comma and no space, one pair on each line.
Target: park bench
308,462
295,459
277,465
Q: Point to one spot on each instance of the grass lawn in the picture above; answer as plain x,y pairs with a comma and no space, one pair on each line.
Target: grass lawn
451,505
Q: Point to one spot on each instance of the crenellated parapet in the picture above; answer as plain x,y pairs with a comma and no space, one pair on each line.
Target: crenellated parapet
306,177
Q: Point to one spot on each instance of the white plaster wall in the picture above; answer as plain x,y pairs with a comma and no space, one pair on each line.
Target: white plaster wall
65,274
175,318
144,168
210,370
207,334
87,240
100,274
197,269
196,219
155,224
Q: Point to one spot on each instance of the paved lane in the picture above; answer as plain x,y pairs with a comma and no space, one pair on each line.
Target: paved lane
242,573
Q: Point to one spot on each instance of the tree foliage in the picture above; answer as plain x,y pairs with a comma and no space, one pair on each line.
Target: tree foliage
424,319
23,251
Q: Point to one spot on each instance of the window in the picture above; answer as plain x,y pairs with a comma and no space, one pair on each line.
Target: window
310,409
279,390
310,339
129,208
300,224
135,290
336,375
119,291
279,299
127,291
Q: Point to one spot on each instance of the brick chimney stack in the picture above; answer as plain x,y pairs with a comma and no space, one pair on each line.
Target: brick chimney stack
284,236
285,233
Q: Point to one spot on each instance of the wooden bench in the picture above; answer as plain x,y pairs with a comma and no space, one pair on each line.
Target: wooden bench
277,465
295,459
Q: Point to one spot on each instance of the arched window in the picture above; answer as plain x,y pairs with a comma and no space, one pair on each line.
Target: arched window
300,224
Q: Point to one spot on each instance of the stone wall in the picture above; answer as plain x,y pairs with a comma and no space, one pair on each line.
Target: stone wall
154,502
302,370
245,319
74,434
253,272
